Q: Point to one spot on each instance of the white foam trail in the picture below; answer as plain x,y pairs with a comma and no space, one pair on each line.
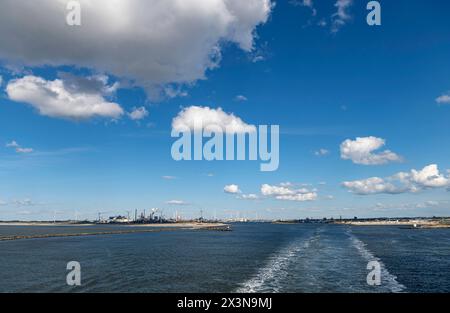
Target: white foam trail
267,279
387,278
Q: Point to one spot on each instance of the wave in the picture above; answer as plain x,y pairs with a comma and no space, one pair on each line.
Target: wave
276,272
388,279
269,277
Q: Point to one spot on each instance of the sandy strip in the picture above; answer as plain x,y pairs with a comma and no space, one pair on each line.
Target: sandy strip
43,224
412,223
193,225
18,237
145,228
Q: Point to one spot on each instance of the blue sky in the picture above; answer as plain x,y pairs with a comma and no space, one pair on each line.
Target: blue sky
322,85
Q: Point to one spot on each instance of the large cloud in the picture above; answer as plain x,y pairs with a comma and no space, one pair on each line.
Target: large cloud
373,185
152,42
363,151
65,98
413,181
428,177
197,118
288,192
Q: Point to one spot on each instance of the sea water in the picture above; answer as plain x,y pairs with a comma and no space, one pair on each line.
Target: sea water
254,257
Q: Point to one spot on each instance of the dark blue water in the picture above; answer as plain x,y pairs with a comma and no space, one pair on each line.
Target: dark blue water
251,258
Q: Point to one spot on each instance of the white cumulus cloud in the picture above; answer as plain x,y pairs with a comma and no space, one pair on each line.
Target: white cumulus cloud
56,98
428,177
443,99
154,43
363,151
138,114
233,189
250,196
373,185
413,181
288,192
196,118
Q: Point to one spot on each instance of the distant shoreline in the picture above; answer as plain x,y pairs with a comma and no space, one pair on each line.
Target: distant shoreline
428,224
157,225
145,228
44,224
404,222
